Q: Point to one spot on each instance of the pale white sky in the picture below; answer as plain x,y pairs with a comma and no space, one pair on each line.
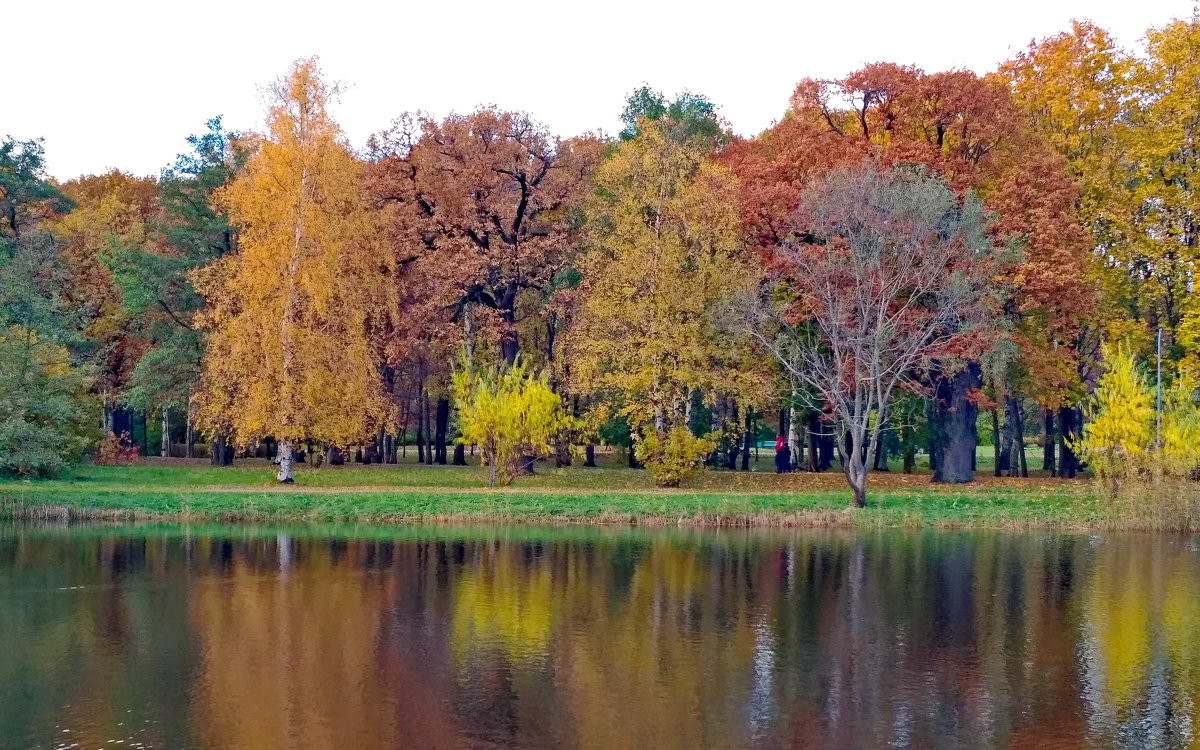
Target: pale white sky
123,83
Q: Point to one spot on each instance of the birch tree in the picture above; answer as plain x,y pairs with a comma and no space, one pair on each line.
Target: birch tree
289,355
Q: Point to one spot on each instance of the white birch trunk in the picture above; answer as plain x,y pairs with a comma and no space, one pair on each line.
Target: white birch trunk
166,433
793,436
285,462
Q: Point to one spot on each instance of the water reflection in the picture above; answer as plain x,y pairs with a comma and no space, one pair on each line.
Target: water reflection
219,637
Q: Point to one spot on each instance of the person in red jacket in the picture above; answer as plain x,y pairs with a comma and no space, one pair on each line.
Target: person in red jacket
783,455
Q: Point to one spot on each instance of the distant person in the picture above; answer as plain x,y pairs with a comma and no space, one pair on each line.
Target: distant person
783,455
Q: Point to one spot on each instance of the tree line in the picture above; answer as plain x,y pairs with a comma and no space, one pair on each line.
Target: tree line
901,253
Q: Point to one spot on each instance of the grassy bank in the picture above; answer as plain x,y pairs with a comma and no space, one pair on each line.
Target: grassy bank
175,489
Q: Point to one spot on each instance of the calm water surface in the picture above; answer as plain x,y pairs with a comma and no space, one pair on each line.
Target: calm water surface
228,637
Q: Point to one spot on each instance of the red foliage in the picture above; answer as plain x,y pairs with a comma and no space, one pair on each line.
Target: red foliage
960,127
115,451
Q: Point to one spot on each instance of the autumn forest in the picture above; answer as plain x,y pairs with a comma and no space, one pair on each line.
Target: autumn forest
908,265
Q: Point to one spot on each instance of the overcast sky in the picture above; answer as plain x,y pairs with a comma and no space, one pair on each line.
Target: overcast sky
122,83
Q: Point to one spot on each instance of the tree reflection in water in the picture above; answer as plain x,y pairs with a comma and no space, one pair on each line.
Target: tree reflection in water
229,637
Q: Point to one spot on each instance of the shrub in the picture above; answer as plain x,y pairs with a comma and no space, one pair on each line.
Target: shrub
115,450
509,413
672,456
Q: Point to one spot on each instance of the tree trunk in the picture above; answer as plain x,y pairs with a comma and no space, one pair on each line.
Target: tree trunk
1069,463
429,429
858,485
1048,438
334,456
1011,419
734,444
562,454
854,464
955,436
460,454
510,346
996,441
814,458
749,441
589,456
1004,463
420,428
389,448
221,453
189,440
285,463
1019,467
714,426
443,423
827,446
166,432
909,459
881,456
793,440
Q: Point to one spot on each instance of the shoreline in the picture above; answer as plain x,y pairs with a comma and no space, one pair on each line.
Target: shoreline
410,495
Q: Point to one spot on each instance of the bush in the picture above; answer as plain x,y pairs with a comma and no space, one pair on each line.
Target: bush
510,413
115,450
674,455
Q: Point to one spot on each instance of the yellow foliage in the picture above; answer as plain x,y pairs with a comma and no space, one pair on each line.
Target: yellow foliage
1180,438
671,457
509,413
288,353
660,270
1121,430
1146,466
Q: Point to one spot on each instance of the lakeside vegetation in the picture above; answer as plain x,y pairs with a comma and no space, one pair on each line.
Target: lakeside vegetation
609,494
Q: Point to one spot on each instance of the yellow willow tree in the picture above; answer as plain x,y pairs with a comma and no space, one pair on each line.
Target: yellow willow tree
289,355
660,269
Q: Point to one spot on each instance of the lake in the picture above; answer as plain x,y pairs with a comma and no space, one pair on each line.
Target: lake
362,637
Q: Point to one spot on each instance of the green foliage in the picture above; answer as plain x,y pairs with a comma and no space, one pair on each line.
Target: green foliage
688,116
46,413
616,431
31,271
674,455
156,290
509,413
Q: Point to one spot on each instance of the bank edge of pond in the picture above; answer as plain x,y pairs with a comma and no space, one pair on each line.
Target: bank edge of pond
1076,511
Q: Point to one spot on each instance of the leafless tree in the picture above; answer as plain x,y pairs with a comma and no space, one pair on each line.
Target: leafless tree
890,279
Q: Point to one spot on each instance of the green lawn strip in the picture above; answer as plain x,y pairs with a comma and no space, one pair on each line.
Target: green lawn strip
413,492
889,508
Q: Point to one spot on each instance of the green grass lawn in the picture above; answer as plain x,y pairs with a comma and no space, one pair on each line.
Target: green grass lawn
409,492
